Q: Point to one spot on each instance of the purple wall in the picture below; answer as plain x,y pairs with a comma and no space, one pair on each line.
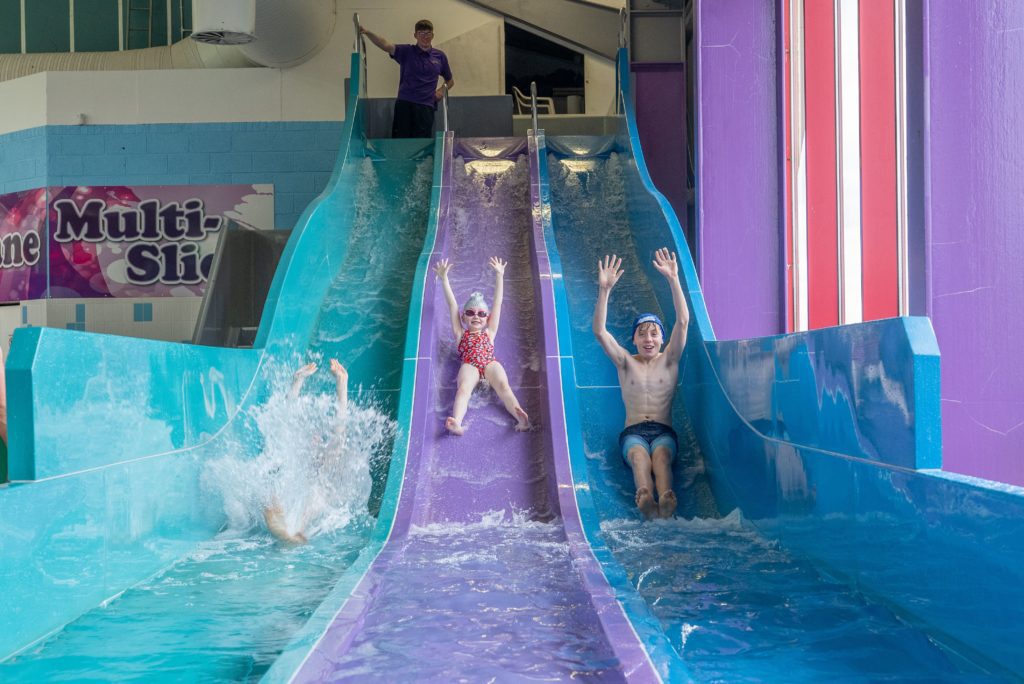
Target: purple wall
660,92
974,209
739,234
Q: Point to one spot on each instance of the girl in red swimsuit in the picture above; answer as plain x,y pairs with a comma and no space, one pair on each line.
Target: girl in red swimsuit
475,328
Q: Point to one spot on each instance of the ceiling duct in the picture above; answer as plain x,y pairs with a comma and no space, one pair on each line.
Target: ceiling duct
224,22
273,33
281,33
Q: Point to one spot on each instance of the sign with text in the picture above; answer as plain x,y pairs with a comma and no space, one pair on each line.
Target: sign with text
22,245
119,241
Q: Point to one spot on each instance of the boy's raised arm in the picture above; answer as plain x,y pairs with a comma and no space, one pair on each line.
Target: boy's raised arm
441,268
665,263
381,42
608,273
499,294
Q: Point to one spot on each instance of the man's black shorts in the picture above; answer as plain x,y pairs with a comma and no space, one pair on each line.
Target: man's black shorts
412,120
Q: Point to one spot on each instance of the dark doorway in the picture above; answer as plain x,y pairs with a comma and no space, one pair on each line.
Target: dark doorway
557,70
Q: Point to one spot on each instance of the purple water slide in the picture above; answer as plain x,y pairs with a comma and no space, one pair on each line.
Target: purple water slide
412,613
492,467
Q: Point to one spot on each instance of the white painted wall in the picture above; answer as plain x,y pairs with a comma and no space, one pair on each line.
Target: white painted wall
599,77
28,95
312,91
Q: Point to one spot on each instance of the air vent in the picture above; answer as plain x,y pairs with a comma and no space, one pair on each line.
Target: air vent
224,22
223,37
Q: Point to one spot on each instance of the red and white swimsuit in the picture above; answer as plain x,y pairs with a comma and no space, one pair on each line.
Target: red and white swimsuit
476,349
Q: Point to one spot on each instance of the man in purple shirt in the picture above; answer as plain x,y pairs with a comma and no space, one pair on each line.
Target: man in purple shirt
418,93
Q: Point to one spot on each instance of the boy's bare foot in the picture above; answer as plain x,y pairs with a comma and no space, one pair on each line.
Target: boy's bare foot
667,504
453,427
645,502
522,420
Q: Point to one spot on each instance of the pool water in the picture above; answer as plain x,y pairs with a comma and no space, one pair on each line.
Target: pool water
740,608
497,600
220,614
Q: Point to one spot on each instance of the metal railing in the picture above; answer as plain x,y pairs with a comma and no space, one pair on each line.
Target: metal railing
360,47
533,106
624,27
444,104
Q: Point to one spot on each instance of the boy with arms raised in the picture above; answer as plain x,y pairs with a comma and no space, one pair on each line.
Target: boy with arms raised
648,381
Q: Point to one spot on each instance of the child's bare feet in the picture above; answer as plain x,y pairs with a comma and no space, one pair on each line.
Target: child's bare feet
645,502
453,426
667,504
522,420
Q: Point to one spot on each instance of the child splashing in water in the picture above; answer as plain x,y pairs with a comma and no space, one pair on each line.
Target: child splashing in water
475,328
273,514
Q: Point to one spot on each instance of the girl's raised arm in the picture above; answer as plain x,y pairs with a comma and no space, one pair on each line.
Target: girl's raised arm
441,268
499,293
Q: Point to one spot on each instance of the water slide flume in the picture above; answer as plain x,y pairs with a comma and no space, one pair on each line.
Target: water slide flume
818,436
109,435
474,496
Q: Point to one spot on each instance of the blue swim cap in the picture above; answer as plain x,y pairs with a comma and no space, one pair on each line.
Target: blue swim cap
647,318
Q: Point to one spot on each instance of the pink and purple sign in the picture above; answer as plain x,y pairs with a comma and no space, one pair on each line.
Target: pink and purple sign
117,241
22,244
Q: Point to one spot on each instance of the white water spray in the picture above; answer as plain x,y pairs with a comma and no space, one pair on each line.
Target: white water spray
311,463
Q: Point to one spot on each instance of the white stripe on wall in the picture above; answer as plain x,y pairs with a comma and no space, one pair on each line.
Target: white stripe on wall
848,156
902,253
71,25
24,46
798,156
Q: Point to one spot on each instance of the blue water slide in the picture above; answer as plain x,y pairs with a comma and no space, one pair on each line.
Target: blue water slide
828,440
109,435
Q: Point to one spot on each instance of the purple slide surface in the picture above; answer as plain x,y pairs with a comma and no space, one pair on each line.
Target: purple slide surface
453,593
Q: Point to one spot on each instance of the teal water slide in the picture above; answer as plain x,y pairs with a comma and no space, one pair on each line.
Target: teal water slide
109,435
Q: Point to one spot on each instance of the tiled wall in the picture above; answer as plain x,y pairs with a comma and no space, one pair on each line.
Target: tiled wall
23,160
295,157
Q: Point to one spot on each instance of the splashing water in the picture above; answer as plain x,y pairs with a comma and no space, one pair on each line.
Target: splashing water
314,464
224,610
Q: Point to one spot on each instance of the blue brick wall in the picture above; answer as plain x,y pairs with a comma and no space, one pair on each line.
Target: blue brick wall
23,160
296,157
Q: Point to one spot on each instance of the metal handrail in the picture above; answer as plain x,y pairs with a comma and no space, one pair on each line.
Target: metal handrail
533,105
444,104
624,27
360,47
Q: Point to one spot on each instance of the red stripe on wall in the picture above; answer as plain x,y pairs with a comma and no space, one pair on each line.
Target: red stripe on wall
879,239
822,228
787,184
